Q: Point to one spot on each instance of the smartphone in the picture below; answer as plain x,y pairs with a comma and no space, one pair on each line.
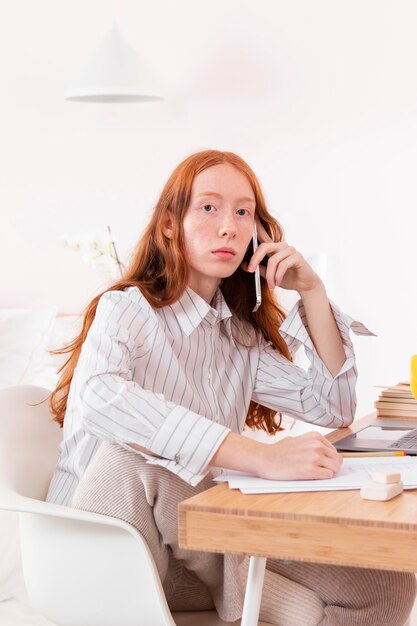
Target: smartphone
250,251
258,296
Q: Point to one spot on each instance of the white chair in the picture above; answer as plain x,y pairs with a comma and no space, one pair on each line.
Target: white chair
80,568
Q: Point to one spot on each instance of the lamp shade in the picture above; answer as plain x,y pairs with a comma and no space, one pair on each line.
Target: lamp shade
113,73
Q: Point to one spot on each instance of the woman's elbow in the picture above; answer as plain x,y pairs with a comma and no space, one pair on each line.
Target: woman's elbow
346,420
348,414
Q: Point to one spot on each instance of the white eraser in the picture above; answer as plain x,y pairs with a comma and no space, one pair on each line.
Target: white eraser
386,477
381,491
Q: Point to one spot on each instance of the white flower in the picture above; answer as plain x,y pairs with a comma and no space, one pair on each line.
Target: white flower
98,251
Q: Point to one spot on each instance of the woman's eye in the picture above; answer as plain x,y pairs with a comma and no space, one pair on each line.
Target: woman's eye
243,212
207,208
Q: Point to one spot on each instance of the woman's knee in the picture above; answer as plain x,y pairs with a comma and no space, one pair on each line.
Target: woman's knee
400,598
385,598
355,595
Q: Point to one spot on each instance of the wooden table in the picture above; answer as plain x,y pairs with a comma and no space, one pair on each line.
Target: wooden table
336,527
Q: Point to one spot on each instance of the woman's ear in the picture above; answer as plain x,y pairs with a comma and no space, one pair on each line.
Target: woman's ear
167,227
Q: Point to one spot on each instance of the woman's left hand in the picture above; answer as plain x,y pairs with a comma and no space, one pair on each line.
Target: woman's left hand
286,267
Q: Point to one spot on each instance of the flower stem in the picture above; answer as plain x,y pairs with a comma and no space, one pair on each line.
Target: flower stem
115,251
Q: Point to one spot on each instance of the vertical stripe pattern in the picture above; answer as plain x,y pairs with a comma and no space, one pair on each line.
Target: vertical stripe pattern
174,381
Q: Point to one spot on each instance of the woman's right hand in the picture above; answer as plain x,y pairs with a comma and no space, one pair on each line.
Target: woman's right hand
305,457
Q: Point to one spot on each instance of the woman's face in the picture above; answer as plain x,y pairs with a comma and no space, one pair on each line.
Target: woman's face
218,226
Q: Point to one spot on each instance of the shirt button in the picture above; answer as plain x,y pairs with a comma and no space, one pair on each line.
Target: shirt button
178,458
210,329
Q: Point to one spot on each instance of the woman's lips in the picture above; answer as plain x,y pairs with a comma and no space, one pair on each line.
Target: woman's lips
225,255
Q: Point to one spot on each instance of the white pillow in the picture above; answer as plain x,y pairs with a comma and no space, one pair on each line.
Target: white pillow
24,335
64,329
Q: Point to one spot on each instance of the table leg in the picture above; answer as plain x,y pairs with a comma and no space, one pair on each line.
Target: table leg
253,594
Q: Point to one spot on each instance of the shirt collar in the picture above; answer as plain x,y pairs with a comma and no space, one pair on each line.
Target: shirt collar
191,309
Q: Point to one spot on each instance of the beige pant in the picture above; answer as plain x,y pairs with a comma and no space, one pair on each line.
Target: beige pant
120,483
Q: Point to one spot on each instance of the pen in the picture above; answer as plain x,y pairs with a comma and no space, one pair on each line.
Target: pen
363,454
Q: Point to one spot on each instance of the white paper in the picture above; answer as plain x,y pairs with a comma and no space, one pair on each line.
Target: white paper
355,473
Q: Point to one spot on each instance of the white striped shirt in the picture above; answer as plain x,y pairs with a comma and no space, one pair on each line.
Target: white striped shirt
174,381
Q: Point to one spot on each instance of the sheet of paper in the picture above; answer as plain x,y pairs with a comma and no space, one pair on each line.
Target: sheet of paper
355,472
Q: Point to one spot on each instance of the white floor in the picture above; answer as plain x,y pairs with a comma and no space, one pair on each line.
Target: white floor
14,613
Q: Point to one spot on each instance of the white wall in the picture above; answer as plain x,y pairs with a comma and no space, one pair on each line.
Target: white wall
319,96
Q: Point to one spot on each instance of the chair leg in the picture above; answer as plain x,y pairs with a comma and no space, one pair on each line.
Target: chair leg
253,594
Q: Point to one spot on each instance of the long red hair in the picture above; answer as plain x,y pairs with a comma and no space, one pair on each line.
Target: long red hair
159,269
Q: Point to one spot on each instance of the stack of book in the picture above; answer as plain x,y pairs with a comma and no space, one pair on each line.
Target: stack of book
397,401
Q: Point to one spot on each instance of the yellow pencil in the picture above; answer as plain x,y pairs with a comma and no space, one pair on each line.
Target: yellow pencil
362,454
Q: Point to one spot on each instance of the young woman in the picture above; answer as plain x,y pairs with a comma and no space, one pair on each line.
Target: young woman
172,362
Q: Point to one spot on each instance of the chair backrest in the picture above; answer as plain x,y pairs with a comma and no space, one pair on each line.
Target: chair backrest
29,440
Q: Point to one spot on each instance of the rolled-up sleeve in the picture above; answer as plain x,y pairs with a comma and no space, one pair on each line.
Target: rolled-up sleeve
116,409
314,395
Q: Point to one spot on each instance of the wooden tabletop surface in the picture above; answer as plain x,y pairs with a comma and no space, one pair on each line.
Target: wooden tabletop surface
327,527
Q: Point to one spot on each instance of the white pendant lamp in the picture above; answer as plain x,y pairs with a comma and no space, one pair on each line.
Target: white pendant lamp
113,73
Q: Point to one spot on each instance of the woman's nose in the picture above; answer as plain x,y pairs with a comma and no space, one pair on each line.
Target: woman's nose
227,228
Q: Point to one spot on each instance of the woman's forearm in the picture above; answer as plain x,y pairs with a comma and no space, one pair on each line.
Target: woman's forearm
308,456
323,329
239,453
236,452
